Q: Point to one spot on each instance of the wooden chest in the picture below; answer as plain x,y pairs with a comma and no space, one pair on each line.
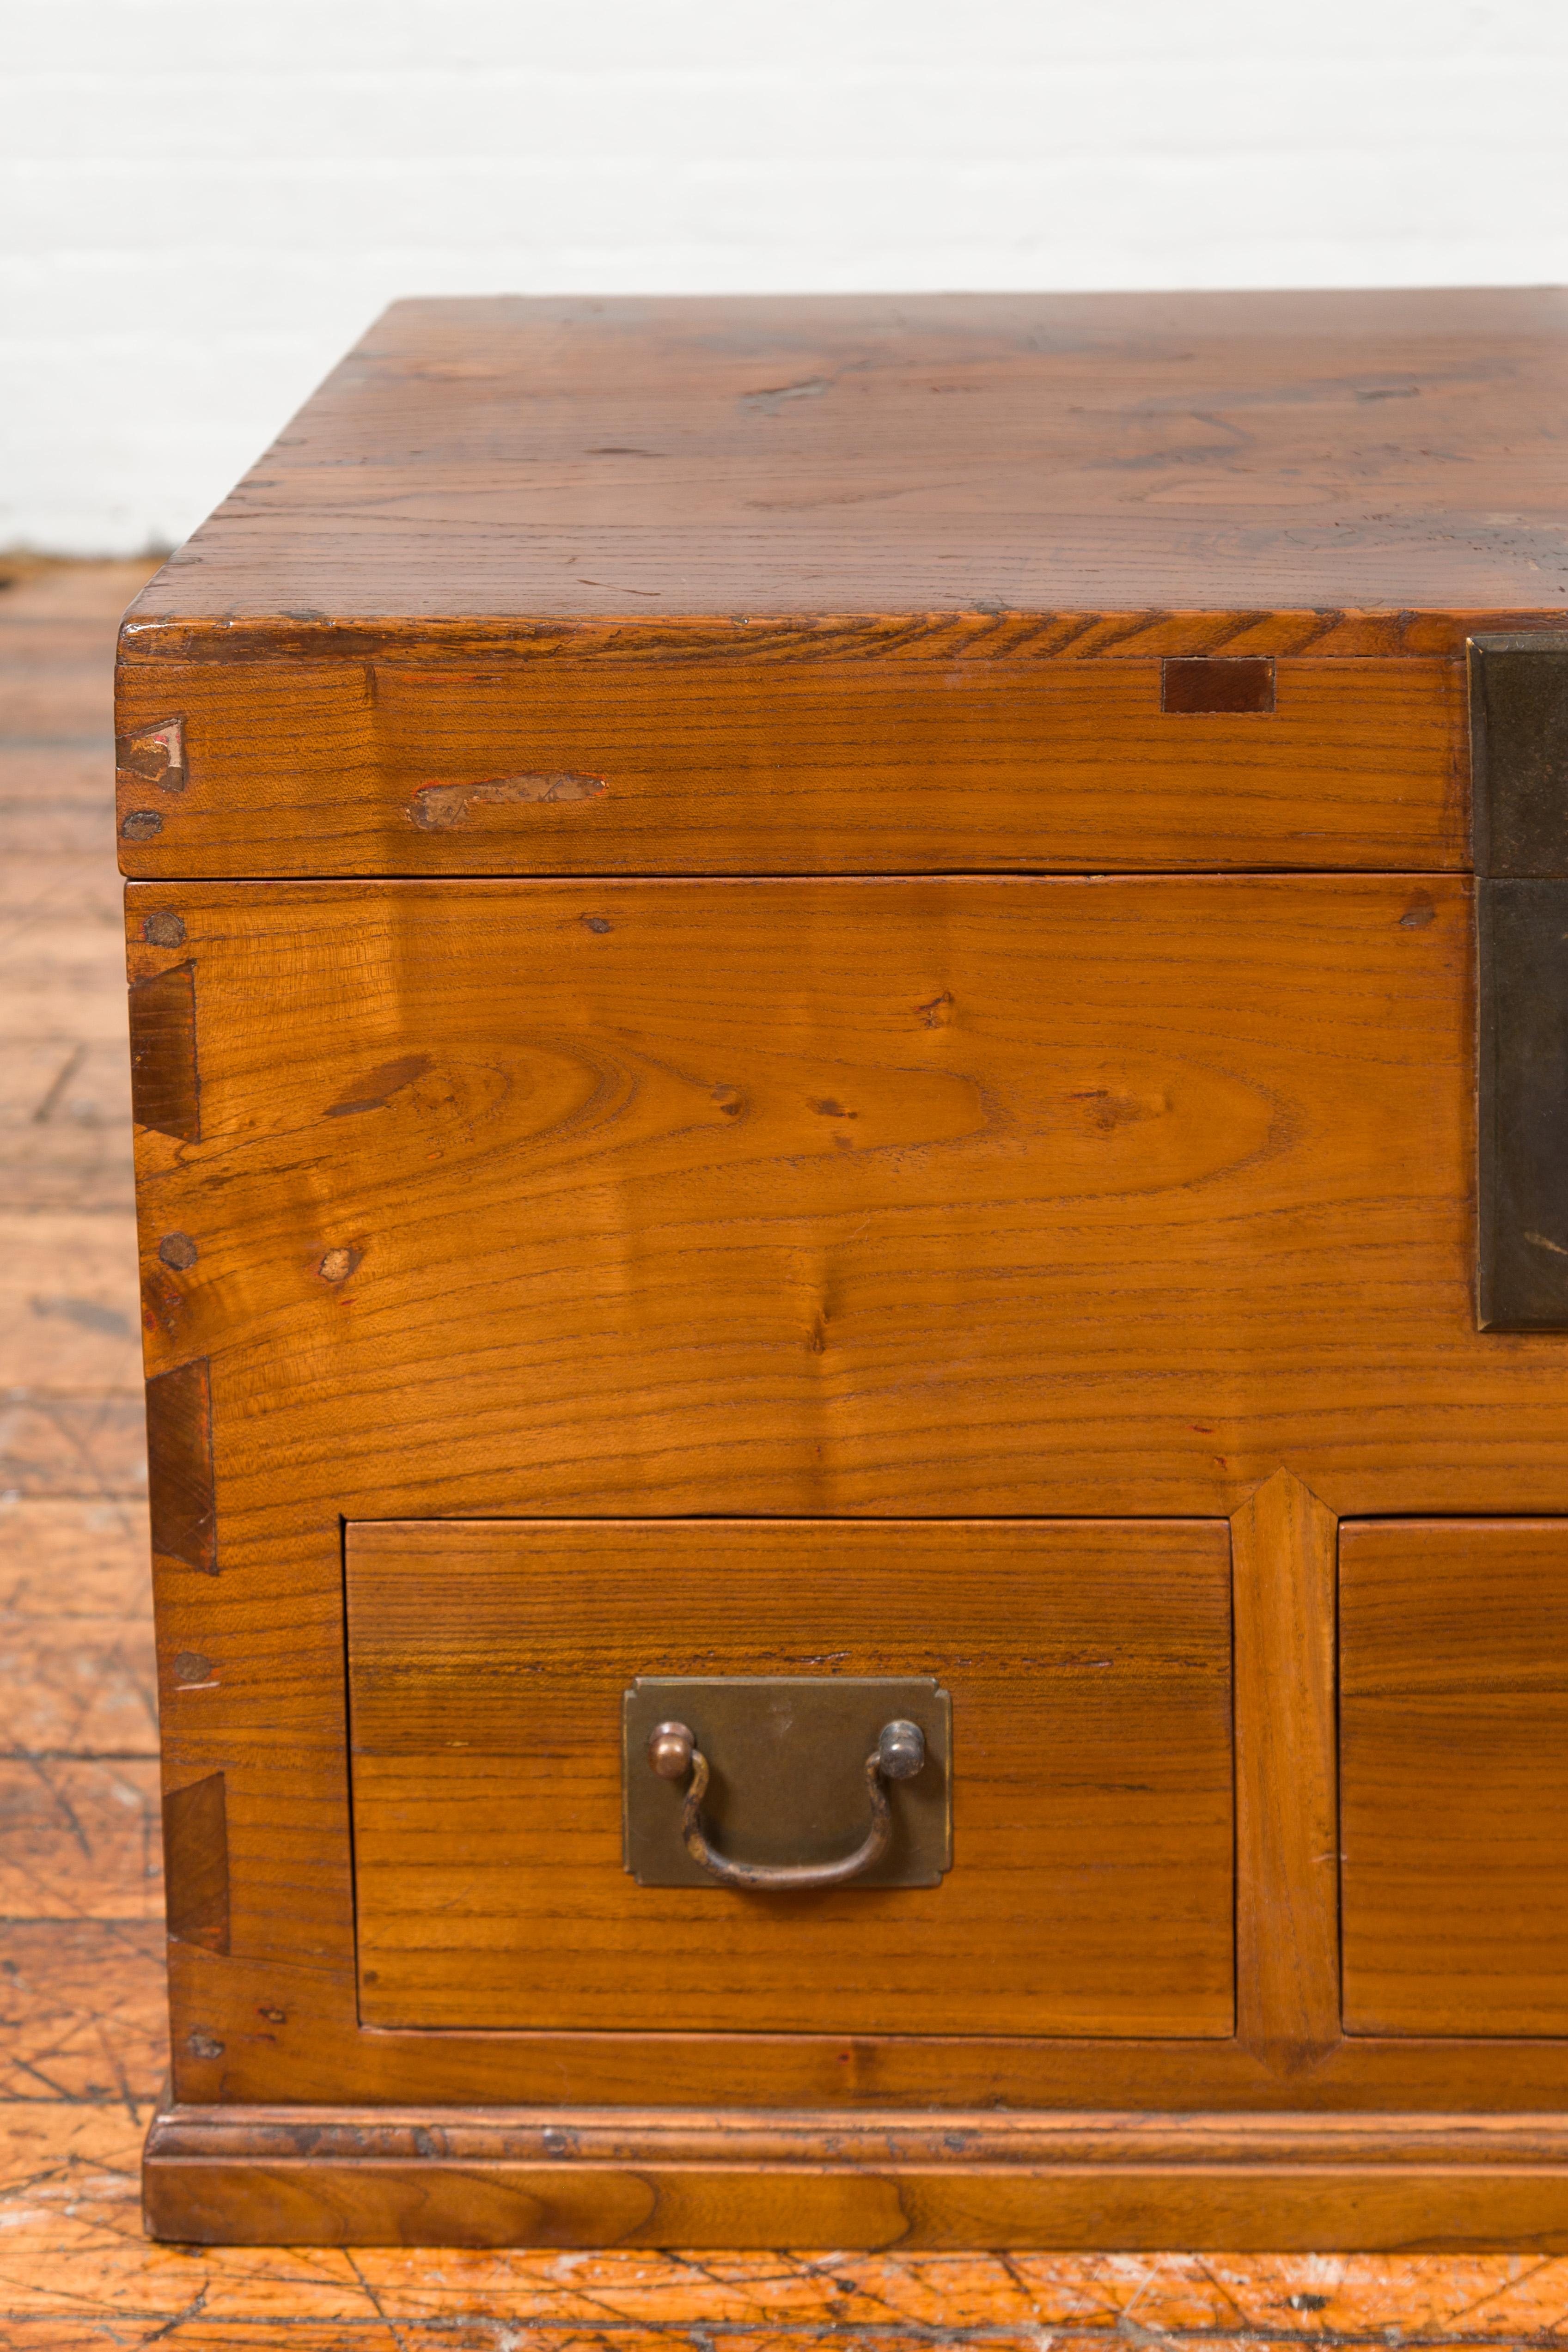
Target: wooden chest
853,1015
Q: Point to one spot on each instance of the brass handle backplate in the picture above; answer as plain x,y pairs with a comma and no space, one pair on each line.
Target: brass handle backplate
899,1755
783,1783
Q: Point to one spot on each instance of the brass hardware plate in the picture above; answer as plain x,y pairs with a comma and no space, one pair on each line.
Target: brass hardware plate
1519,765
787,1760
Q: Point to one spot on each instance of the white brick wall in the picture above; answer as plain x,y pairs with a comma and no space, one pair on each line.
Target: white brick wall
205,200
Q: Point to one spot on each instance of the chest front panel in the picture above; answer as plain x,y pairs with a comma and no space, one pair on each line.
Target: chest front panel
835,1196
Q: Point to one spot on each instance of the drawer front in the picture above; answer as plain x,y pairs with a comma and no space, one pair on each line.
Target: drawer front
789,763
1453,1714
1088,1666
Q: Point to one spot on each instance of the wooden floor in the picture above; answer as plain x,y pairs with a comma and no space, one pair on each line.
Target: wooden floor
82,2025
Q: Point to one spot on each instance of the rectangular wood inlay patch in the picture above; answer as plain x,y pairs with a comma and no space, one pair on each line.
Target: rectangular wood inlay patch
1239,684
165,1091
180,1466
195,1863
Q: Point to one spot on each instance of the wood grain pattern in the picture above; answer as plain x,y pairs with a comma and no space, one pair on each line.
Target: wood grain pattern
890,1198
69,1559
1089,1669
1288,1926
92,1446
1454,1708
278,2024
557,763
86,2016
76,1684
78,1838
567,2177
1004,457
79,2275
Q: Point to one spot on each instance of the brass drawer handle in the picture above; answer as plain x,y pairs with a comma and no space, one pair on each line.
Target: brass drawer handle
899,1755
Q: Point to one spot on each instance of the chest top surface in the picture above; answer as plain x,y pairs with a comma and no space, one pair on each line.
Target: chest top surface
651,463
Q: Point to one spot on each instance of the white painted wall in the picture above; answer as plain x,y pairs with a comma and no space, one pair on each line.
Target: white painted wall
204,201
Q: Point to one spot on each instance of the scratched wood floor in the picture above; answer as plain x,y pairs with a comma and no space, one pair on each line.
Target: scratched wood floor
81,2021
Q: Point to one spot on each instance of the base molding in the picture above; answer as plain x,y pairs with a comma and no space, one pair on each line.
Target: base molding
733,2178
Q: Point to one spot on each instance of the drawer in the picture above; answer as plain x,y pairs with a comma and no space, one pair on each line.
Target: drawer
1454,1716
1088,1669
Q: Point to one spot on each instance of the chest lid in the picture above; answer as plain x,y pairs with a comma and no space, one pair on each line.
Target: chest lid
858,585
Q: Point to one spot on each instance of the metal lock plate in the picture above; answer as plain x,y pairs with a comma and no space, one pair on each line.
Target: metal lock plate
1519,765
788,1756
